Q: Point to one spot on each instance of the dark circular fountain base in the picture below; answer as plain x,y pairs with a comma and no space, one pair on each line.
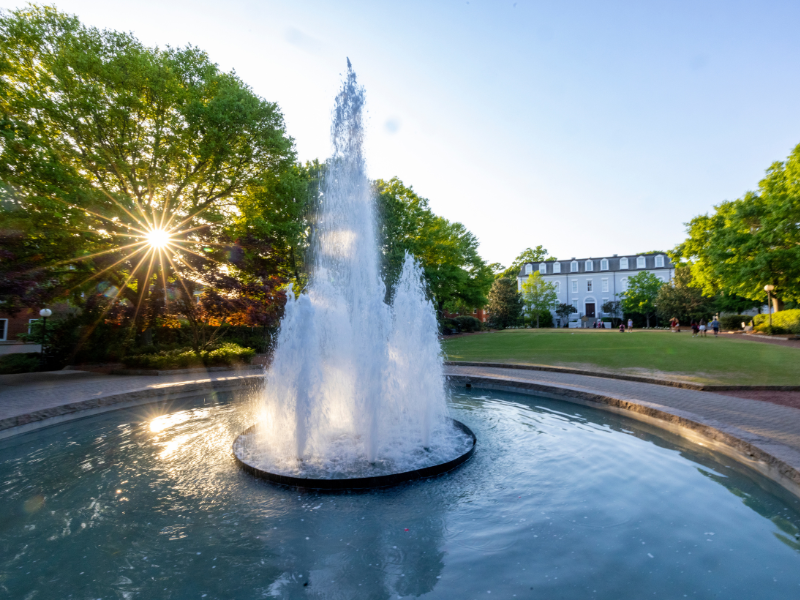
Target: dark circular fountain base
360,483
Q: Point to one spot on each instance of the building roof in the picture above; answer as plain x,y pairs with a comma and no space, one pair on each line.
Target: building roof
613,264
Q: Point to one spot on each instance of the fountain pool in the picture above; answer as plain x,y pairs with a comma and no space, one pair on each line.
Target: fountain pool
558,501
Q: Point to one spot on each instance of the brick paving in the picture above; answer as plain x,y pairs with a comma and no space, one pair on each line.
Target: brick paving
772,427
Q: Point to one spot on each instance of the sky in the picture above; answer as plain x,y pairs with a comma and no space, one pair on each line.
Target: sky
591,128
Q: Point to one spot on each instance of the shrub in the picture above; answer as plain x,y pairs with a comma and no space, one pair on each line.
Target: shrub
448,326
181,358
733,322
785,321
468,324
20,363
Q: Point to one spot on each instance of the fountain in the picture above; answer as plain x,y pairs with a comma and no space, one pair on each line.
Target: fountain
356,394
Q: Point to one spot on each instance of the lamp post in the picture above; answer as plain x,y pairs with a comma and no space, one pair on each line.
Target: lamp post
768,289
44,313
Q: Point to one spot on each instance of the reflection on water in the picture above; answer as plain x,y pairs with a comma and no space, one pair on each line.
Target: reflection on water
558,502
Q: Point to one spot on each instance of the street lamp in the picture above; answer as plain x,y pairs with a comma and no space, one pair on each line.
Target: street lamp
44,313
768,289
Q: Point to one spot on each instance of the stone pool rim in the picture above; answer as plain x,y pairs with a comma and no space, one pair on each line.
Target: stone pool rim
358,483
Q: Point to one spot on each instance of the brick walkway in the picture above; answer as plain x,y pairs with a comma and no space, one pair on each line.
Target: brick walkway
773,428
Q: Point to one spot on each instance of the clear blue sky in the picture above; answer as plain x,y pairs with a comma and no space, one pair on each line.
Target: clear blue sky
591,128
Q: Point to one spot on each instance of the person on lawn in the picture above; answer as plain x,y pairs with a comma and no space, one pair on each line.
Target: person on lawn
715,326
702,328
630,325
695,328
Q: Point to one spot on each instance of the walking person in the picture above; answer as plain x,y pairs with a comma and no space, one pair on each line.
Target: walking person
715,326
630,325
695,328
702,328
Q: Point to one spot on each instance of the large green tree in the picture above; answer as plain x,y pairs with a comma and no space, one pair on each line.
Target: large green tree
529,255
505,303
119,162
751,242
682,300
640,297
538,296
454,270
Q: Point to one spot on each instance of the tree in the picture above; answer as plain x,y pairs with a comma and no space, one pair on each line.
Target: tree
680,299
640,297
538,296
528,255
751,242
564,311
505,304
613,308
448,252
120,161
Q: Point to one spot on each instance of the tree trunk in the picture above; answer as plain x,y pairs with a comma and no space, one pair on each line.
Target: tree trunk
777,304
537,320
647,318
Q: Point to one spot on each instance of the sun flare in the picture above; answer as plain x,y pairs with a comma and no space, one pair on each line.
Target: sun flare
158,238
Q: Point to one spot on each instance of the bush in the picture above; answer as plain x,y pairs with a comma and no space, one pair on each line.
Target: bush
448,326
182,358
785,321
733,322
20,363
468,324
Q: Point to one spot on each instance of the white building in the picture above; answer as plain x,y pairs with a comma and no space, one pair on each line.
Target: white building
588,283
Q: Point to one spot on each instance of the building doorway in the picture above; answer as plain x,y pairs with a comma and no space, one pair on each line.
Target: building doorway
590,309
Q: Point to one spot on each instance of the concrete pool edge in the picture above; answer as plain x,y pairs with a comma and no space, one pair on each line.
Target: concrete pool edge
752,450
23,423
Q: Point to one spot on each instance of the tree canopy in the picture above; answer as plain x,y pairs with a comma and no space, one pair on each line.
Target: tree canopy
538,296
751,242
529,255
640,297
505,303
132,166
454,271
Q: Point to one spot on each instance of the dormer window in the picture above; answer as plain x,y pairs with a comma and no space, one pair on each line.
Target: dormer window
640,264
623,263
528,269
543,268
604,264
659,261
573,266
556,267
589,265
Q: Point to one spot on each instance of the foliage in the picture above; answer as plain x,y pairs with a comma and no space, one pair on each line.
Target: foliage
785,321
453,269
529,255
640,297
564,311
468,324
103,140
682,300
733,322
505,304
538,297
751,242
542,319
29,362
226,354
614,309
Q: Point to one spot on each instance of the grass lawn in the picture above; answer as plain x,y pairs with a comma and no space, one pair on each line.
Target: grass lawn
676,356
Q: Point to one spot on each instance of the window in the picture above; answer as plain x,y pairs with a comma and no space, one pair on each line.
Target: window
474,311
659,261
588,285
589,265
575,304
558,287
624,283
623,263
640,262
30,324
605,284
574,266
528,269
3,329
557,267
605,301
574,286
604,264
543,268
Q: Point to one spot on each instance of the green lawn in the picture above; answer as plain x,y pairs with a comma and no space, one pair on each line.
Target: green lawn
676,356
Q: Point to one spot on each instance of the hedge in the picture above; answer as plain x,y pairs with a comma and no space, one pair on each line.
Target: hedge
733,322
28,362
785,321
181,358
